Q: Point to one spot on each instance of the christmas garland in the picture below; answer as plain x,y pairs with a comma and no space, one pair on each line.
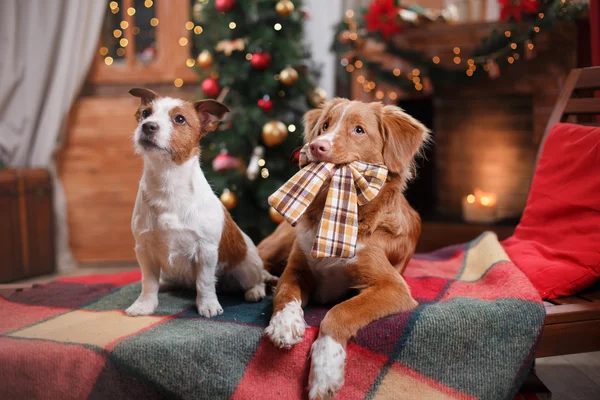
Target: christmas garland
385,19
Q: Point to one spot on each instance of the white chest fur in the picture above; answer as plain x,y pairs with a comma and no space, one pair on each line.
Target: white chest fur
177,217
332,282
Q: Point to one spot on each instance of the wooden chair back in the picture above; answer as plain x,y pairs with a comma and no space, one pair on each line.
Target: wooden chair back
577,103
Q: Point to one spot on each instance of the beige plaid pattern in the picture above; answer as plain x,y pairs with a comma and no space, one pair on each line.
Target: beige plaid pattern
350,185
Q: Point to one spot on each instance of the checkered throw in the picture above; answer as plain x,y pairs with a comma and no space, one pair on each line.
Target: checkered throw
350,185
473,336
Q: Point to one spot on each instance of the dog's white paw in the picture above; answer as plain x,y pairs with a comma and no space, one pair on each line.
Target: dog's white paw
257,293
209,308
287,327
326,368
142,306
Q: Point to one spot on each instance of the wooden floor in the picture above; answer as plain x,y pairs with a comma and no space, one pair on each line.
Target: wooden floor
573,377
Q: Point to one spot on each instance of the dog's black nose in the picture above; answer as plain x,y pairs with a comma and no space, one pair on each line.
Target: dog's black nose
150,128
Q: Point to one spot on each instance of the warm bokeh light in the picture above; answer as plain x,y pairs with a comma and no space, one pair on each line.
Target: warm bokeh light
178,82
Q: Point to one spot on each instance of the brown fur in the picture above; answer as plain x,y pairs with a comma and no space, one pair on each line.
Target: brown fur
201,117
388,227
185,138
275,250
232,248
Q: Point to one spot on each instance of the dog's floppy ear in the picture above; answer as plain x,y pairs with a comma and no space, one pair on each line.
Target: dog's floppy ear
404,137
211,112
310,122
146,95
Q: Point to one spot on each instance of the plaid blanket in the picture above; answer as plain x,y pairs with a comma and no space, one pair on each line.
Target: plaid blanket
473,336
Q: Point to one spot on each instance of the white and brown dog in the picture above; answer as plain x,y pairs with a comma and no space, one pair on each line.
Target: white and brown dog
184,236
341,132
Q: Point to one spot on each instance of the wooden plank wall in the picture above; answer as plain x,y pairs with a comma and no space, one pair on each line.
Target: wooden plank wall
100,174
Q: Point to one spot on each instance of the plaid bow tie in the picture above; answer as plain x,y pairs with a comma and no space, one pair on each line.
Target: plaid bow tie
351,185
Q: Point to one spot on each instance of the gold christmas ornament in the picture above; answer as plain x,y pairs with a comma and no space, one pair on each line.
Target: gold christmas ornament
229,199
317,97
288,76
275,216
284,8
274,133
205,59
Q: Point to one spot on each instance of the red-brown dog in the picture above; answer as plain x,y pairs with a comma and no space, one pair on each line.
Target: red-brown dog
341,132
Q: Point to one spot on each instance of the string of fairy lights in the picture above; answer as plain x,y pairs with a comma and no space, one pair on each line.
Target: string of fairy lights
119,33
517,44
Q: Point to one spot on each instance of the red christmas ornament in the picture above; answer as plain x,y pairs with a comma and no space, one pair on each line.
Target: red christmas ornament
260,60
224,5
382,18
210,87
266,104
225,161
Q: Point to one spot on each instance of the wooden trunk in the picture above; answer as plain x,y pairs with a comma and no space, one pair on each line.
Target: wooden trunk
27,223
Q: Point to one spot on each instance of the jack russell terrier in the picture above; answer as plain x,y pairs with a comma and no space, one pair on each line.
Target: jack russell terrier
184,236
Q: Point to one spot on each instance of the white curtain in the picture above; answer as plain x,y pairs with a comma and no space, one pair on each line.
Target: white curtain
46,47
319,34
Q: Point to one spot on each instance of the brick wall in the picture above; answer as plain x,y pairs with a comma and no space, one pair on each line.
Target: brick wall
484,142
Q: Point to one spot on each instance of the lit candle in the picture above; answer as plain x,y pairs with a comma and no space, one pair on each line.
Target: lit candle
480,207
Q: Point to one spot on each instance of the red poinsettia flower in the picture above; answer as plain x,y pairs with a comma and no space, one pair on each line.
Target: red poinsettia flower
382,18
516,8
530,6
510,8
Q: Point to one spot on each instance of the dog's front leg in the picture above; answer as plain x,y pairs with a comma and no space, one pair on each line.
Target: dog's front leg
147,301
287,324
206,294
383,292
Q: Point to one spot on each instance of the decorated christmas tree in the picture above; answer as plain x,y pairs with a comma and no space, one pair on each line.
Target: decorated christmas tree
250,55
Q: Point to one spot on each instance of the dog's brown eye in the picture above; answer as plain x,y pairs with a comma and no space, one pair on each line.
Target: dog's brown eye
179,119
145,114
325,126
359,130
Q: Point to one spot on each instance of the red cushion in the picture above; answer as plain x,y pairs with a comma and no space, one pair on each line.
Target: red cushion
557,242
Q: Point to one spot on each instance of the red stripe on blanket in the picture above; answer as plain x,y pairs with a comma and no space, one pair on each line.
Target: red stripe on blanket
14,316
502,281
121,279
273,372
446,269
429,288
42,369
362,368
